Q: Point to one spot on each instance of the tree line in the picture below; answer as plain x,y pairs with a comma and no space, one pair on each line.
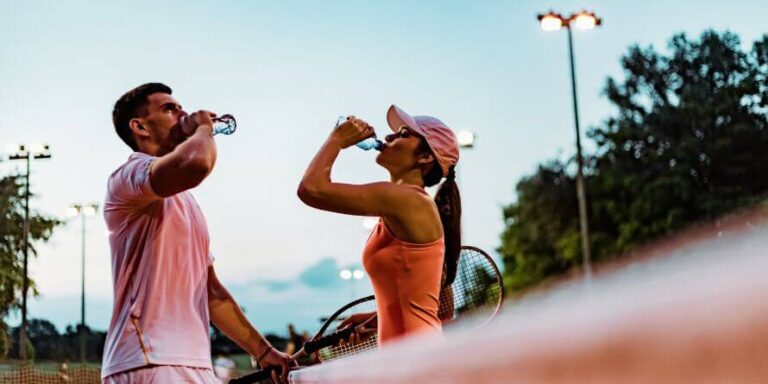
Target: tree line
687,143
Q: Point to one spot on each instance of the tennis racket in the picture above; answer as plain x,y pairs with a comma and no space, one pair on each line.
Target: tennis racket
476,295
326,344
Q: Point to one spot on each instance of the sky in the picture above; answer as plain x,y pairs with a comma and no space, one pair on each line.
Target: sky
287,70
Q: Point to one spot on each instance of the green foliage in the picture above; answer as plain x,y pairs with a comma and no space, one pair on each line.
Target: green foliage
484,294
687,143
12,253
44,342
12,241
5,343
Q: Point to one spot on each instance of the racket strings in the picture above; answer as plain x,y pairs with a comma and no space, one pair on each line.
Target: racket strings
349,349
475,294
476,290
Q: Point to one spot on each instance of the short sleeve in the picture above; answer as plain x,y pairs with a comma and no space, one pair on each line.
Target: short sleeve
129,185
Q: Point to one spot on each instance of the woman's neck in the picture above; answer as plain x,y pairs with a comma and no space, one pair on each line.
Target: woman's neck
412,177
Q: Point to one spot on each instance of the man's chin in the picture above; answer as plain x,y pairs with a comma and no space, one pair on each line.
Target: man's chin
169,146
176,140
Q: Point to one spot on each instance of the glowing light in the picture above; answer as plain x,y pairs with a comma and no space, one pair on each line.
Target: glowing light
73,211
13,148
38,148
551,22
358,274
84,209
585,20
466,139
345,274
90,210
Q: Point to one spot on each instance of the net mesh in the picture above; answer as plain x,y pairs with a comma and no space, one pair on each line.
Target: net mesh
47,373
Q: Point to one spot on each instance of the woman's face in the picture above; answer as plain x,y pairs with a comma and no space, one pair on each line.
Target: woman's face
400,151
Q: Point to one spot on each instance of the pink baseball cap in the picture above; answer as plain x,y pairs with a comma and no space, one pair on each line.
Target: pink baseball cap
441,139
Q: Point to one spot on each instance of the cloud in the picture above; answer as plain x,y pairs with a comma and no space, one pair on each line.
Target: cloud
324,274
277,285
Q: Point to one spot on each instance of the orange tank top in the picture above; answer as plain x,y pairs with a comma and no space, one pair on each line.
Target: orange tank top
406,282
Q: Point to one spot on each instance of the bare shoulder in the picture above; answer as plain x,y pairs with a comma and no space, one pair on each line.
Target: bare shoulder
413,195
416,220
403,193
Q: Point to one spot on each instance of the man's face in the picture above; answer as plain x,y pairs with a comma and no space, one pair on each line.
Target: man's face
162,121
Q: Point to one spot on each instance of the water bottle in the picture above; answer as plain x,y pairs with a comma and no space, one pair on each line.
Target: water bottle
224,124
367,144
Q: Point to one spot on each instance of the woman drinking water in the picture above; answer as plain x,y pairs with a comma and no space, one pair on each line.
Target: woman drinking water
413,250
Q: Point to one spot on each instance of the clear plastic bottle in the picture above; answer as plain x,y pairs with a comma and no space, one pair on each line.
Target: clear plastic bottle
224,124
367,144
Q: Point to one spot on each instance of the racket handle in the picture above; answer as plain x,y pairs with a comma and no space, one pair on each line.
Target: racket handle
255,377
313,346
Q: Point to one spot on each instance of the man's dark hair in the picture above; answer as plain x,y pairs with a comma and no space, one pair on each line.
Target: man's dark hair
133,104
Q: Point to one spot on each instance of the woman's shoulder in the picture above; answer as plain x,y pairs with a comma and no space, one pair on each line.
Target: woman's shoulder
414,201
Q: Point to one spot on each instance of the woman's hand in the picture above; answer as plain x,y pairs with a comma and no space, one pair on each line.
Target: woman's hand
351,132
365,325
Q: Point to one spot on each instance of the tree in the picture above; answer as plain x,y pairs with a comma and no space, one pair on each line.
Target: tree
94,344
687,143
46,343
222,345
533,243
5,342
12,242
42,337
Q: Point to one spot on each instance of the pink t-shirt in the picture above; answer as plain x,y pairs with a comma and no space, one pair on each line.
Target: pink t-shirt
160,260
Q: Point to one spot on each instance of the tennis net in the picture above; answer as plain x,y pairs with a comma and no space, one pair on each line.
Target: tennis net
691,309
19,372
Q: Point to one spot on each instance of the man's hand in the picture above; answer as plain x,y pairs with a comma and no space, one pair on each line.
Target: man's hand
275,358
227,316
190,123
190,162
